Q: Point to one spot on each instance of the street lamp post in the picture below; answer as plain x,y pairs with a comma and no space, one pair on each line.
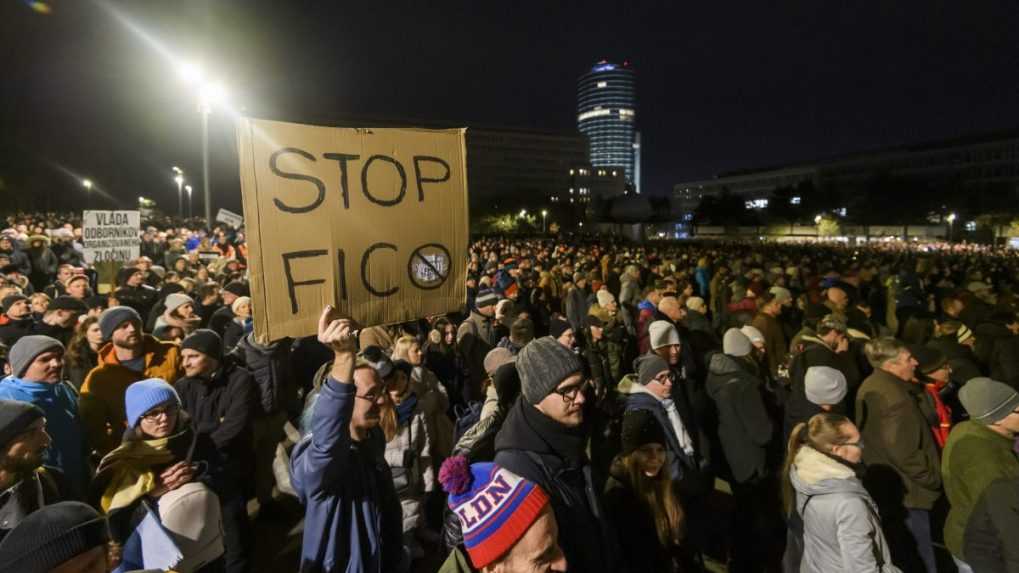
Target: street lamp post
87,184
188,189
179,179
544,214
208,94
950,219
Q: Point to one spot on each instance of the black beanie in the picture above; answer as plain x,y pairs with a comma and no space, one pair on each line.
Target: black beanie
15,417
51,536
558,326
640,427
205,341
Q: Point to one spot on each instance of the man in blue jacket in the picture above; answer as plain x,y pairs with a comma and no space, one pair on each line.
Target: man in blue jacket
37,364
352,521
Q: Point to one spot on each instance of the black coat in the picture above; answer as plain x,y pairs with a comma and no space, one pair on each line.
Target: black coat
744,427
222,410
221,319
15,329
270,368
544,452
638,537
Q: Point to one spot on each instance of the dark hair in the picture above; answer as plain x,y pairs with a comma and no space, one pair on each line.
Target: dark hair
76,349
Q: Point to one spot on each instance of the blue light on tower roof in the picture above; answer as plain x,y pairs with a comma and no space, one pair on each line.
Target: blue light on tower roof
603,67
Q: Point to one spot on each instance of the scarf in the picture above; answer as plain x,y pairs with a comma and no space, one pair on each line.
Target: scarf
129,472
566,442
405,409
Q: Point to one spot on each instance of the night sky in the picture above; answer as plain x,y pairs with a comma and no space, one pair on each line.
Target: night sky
721,86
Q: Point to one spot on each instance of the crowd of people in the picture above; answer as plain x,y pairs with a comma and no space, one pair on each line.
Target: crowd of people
595,406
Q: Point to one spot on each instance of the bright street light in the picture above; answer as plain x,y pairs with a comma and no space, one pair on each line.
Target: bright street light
190,72
87,184
817,220
544,213
179,179
523,213
950,218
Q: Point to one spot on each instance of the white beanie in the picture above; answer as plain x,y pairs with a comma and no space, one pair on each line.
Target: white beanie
735,343
753,334
605,298
824,385
695,303
662,333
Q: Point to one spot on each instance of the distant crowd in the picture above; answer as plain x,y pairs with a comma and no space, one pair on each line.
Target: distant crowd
595,406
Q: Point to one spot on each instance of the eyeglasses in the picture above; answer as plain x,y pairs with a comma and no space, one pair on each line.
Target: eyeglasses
372,397
570,393
155,413
858,444
666,378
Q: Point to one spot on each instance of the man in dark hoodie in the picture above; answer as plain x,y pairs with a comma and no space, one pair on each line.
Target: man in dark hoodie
475,337
17,257
746,433
220,396
827,346
133,292
16,320
544,439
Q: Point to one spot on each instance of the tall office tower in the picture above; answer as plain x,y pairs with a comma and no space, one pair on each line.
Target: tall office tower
606,112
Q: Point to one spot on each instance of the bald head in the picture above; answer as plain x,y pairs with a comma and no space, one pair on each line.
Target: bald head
670,307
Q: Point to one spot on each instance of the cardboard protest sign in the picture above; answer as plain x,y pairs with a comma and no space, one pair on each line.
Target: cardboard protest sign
110,236
371,221
230,218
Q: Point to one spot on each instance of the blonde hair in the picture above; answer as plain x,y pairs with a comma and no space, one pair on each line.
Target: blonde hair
659,497
822,432
402,346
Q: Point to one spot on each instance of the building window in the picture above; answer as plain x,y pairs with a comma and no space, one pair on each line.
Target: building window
794,200
602,84
757,204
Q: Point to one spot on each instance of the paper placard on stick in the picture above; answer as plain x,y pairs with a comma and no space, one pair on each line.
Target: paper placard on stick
371,221
230,218
110,236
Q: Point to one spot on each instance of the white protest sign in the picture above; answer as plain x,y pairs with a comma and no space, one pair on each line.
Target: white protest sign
110,236
230,218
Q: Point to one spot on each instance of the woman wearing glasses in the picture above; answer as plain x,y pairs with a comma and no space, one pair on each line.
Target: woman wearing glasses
834,524
150,479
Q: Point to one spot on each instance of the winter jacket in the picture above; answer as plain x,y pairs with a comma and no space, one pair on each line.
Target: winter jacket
981,476
44,486
102,393
141,298
475,337
690,471
456,562
59,402
575,307
19,259
815,353
409,457
638,538
76,373
270,367
221,319
1004,363
629,291
744,427
44,266
222,408
841,525
898,437
960,358
434,403
347,491
12,330
702,276
646,314
539,449
695,321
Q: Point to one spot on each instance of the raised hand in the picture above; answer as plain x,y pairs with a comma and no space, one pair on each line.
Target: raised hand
339,334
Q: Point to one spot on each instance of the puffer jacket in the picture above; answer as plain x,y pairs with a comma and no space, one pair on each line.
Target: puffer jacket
409,458
270,367
841,525
744,427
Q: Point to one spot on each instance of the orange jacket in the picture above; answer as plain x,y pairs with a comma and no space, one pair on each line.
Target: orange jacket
101,400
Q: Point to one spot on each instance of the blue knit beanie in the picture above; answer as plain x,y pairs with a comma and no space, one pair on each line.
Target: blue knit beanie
145,395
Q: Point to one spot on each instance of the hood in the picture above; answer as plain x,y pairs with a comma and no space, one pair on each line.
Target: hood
814,473
722,364
250,343
647,305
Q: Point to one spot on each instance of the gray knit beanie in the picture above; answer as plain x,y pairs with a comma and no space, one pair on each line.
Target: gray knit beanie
988,401
824,385
27,348
544,364
735,343
112,318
